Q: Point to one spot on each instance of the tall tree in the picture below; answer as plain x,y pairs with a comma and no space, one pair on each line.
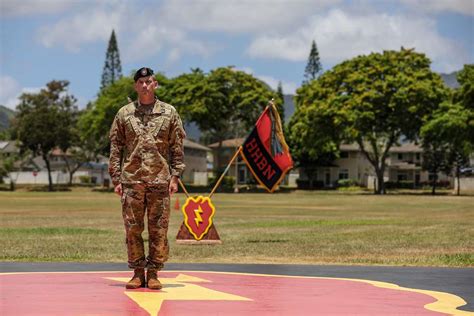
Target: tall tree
448,137
7,165
224,103
280,102
313,137
313,67
112,68
465,93
465,97
280,90
370,100
77,151
436,156
45,119
446,142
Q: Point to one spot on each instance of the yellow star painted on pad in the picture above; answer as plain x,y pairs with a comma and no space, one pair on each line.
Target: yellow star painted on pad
177,289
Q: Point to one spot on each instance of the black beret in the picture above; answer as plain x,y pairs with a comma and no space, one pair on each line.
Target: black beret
143,72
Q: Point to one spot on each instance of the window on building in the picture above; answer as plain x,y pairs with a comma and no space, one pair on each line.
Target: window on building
344,154
343,174
402,177
418,156
400,156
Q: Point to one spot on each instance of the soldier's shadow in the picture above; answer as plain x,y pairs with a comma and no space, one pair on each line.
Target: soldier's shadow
174,285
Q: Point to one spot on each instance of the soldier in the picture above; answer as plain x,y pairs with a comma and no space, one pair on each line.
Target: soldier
146,161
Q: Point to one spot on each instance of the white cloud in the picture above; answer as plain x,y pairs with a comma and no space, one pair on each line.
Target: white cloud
209,15
140,33
238,16
10,90
173,56
152,29
465,7
84,27
150,39
30,90
279,29
341,35
247,70
15,8
34,7
280,47
288,87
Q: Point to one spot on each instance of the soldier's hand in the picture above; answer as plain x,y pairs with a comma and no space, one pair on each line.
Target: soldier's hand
118,189
173,185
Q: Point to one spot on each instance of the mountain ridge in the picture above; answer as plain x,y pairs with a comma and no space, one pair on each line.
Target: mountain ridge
6,115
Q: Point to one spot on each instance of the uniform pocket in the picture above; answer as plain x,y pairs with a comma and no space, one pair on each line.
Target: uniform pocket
127,210
162,124
133,204
160,134
132,126
164,220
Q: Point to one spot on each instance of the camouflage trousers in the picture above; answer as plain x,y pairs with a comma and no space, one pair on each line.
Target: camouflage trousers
138,199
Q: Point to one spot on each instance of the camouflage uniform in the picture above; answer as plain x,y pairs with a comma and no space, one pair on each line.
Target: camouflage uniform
146,149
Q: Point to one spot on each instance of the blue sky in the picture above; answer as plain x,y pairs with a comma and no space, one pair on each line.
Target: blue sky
42,40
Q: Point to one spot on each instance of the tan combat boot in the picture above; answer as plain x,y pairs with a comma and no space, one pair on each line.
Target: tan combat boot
152,280
138,279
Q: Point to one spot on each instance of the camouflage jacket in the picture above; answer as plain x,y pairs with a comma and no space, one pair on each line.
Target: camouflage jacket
146,146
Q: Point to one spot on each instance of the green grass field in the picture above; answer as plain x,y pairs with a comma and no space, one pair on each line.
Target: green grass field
299,227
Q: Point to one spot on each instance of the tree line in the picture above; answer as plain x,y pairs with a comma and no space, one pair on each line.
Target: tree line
378,100
223,103
373,100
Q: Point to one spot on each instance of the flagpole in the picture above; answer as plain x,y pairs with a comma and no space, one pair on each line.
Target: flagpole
225,171
183,187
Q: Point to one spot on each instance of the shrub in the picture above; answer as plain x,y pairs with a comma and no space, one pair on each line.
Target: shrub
347,183
305,184
85,179
439,184
399,184
227,184
351,189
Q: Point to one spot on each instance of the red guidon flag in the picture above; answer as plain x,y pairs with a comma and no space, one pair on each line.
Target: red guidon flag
265,150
